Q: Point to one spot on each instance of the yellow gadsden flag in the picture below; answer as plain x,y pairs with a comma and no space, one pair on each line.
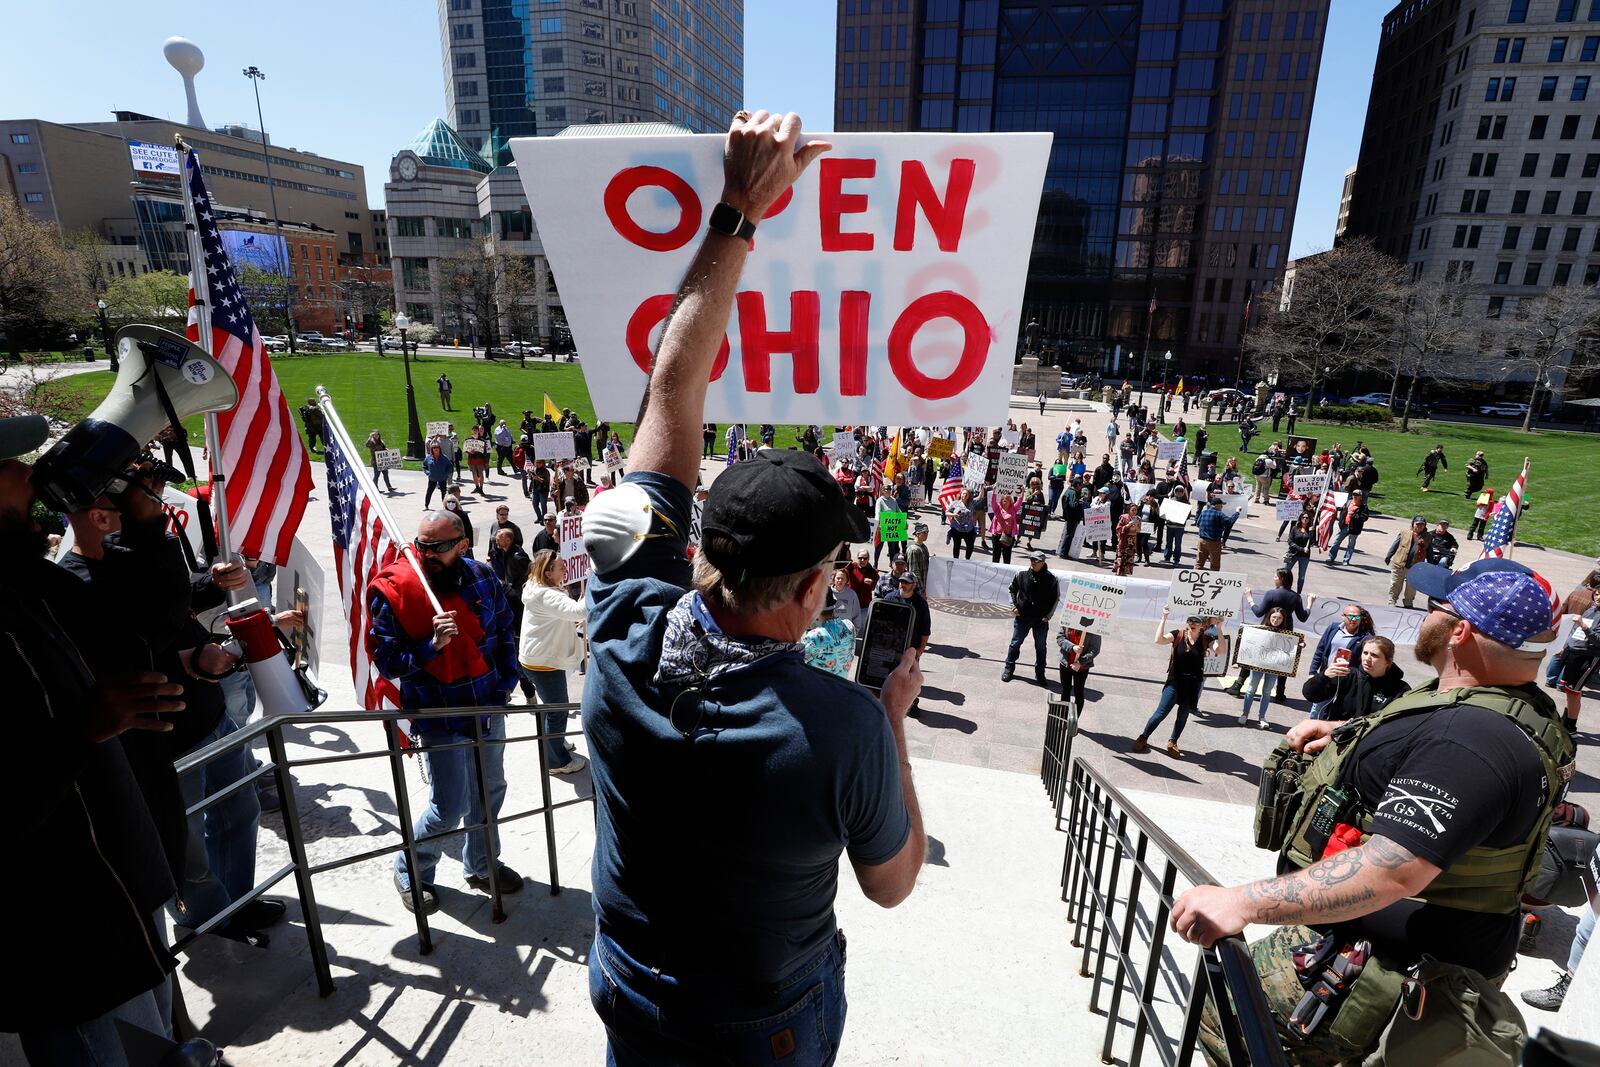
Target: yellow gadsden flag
894,464
550,408
1176,392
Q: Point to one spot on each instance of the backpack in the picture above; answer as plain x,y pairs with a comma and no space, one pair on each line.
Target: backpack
1062,440
1259,467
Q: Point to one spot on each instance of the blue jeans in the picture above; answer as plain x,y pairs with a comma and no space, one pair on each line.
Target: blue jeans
1173,553
551,686
435,487
1299,565
1580,940
1262,682
219,863
1020,627
1338,539
654,1018
97,1042
541,502
1169,699
453,796
1553,670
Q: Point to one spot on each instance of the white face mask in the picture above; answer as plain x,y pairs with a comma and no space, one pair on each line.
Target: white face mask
451,504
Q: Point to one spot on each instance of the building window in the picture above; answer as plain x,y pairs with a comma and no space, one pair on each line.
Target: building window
27,168
1558,165
1566,10
1530,273
21,138
1519,202
1552,201
1558,49
1580,202
1530,165
1541,238
1496,305
33,198
1502,273
1563,273
1518,11
1569,128
1580,87
550,25
1591,165
1571,238
1591,49
559,85
1591,273
1508,242
1536,131
1547,88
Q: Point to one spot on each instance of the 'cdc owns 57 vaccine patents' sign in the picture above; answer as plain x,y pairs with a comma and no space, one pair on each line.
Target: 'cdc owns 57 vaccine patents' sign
885,287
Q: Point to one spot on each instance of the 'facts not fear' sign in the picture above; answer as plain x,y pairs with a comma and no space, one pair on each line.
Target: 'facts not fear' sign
885,287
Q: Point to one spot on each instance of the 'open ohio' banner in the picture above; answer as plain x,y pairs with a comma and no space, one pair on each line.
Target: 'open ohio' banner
886,287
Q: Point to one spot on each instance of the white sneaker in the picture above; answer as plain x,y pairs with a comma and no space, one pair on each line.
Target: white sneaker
577,764
1264,724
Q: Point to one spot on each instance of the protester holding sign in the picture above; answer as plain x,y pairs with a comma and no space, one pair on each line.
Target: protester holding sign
550,645
705,669
437,466
1259,682
963,525
1078,648
1185,677
1003,525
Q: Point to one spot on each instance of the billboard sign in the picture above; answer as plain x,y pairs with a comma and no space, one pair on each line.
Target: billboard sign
265,252
155,160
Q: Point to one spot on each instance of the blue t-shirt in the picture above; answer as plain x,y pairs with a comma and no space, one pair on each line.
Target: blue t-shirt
718,857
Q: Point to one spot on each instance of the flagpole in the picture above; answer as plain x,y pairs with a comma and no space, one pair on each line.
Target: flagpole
1511,538
213,437
368,486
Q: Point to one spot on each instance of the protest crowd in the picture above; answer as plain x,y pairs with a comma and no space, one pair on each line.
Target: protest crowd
716,596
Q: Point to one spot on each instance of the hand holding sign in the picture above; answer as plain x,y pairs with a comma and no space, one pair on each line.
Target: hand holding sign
763,159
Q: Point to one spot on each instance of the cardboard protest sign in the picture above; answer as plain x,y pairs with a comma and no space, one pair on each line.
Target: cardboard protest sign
1236,505
386,459
1032,520
1096,523
1275,652
1136,491
1215,663
844,446
572,551
475,446
1009,438
885,287
974,472
1309,484
919,494
1211,593
1092,601
941,448
614,462
1171,451
438,429
1012,472
1152,448
554,445
1175,511
891,526
1288,510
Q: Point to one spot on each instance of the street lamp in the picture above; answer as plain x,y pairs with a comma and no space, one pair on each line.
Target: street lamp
413,426
1166,372
1033,349
256,77
472,335
105,335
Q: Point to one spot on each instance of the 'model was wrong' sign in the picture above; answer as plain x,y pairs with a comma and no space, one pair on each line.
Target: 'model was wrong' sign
885,287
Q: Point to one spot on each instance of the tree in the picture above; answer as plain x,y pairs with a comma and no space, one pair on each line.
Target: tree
476,287
1551,335
367,296
518,282
41,286
156,298
1337,315
1432,327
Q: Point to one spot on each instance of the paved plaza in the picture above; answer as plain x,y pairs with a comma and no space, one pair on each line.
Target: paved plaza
974,968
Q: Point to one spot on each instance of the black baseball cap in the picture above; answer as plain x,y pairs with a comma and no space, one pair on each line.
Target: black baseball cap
782,511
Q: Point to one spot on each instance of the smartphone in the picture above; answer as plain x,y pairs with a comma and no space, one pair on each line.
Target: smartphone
1341,655
888,636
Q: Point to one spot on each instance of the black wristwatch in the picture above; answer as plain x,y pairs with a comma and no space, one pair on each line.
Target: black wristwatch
727,219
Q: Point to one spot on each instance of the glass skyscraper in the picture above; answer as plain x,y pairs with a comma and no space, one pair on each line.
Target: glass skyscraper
1179,133
519,68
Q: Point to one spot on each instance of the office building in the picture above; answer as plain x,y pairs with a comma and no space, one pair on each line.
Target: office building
380,237
1180,128
515,69
1481,154
1346,194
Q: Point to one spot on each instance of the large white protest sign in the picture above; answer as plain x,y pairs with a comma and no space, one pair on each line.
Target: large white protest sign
1096,523
1136,491
572,552
1211,593
1236,505
1092,601
1288,510
554,445
386,459
973,473
1170,451
1009,438
884,287
1175,511
844,446
1011,473
1309,484
438,429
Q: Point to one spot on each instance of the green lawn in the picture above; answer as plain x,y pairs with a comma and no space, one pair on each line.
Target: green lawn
369,392
1562,476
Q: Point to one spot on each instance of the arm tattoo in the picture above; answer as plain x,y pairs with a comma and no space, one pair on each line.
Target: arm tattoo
1346,885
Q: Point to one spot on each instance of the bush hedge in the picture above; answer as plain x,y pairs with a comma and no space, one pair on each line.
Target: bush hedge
1354,414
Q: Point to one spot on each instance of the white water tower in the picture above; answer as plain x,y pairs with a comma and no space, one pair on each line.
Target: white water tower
187,59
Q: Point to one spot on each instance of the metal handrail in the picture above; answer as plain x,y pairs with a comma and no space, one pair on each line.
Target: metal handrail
281,768
1103,828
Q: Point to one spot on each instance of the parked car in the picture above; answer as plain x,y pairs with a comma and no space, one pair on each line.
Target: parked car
1504,409
1379,399
275,344
1219,395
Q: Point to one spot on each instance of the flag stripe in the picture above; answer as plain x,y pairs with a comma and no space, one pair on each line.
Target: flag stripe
266,470
1502,530
361,547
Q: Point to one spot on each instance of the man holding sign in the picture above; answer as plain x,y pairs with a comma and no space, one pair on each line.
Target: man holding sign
698,690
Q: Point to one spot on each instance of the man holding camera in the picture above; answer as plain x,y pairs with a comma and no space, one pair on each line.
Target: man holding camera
75,803
698,691
462,657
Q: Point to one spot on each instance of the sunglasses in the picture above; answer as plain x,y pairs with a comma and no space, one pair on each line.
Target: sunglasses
1444,606
436,548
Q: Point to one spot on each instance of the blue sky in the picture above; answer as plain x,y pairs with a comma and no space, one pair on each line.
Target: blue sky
372,77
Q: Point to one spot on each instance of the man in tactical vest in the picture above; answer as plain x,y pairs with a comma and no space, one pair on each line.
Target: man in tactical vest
1407,837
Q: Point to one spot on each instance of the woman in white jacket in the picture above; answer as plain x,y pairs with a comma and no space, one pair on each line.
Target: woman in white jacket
552,644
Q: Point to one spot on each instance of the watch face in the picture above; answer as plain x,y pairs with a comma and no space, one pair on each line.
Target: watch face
408,168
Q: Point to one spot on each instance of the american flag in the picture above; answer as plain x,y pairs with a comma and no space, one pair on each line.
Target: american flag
1502,530
950,492
1325,517
362,547
268,475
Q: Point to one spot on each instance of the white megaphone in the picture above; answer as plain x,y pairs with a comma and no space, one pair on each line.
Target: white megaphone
164,378
280,690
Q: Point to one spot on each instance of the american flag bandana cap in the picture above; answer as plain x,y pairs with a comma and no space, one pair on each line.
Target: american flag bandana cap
1501,598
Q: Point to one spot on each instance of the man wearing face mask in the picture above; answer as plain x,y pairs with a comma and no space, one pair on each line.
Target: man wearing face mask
463,657
1417,827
